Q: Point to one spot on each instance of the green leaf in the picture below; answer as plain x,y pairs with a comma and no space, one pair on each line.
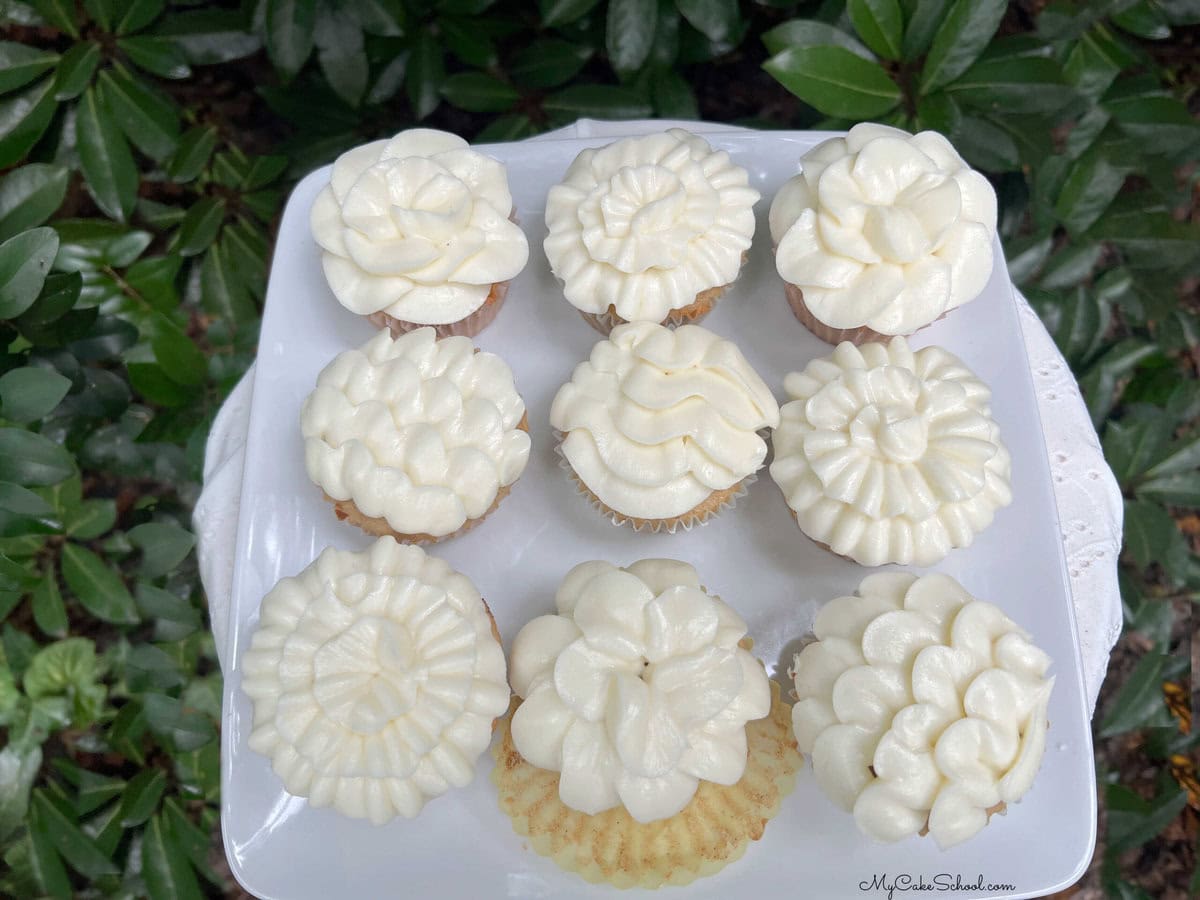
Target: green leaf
138,14
174,617
923,22
548,63
290,26
94,791
140,799
465,40
811,33
24,117
1094,62
153,277
1027,85
152,382
385,18
1090,188
30,459
1079,323
75,71
192,154
61,667
200,226
1182,457
1132,821
1150,532
60,14
91,519
163,546
80,851
1150,240
222,292
426,72
1099,383
563,12
479,92
1134,443
101,12
717,20
98,587
1180,489
149,119
31,393
940,112
24,512
18,769
210,36
1070,265
29,195
835,82
340,55
49,611
629,33
1163,123
47,866
1145,20
165,868
20,64
184,729
105,158
880,23
24,261
673,96
964,33
598,101
389,79
159,56
505,128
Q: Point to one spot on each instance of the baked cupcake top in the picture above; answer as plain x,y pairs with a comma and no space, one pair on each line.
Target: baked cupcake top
417,227
647,223
884,229
418,431
375,679
636,689
921,706
890,456
657,419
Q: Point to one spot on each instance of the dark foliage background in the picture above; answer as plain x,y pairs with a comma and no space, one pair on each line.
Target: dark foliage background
146,148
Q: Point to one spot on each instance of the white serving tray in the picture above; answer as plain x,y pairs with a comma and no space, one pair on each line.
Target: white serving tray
462,845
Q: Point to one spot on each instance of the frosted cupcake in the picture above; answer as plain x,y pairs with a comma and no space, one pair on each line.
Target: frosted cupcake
648,746
649,229
889,456
881,233
376,678
417,438
418,230
660,428
923,709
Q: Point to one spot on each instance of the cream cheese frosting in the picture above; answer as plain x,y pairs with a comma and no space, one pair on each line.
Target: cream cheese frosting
884,229
636,689
656,419
647,223
890,456
375,679
920,706
418,431
417,227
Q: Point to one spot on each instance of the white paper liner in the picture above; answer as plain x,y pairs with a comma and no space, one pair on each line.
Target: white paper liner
686,521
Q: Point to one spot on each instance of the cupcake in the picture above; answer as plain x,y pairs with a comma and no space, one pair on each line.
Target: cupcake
659,428
376,678
923,709
889,456
416,437
881,233
649,229
419,230
647,746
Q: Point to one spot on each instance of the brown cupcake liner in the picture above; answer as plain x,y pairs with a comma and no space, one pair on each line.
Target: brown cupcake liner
466,327
713,830
860,335
377,526
700,514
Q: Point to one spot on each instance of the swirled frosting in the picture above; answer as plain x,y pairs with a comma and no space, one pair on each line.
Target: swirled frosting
921,706
656,420
647,223
417,227
887,455
419,431
375,679
636,689
884,229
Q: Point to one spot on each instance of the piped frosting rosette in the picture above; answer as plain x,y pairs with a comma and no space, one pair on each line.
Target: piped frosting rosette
921,706
889,456
884,229
417,227
661,426
649,747
423,436
375,679
646,225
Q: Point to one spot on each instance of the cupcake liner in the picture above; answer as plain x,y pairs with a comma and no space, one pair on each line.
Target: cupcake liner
830,335
717,502
611,847
687,315
465,327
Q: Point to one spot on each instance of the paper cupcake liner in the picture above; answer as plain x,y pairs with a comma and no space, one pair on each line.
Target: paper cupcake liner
688,315
830,335
466,327
717,502
611,847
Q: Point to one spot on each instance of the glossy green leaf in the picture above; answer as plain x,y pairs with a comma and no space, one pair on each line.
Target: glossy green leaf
185,729
1150,240
80,851
548,63
47,865
60,14
1008,86
940,112
963,34
465,40
92,518
137,14
673,97
1136,442
1132,820
923,22
192,154
30,459
163,547
834,81
153,278
105,157
479,92
425,74
1150,532
149,119
222,292
563,12
389,80
290,26
165,868
1070,266
200,226
21,63
880,23
1181,458
339,42
599,101
98,588
24,116
174,617
24,262
505,128
106,339
140,799
59,293
1145,20
18,769
151,381
385,18
94,791
717,20
159,56
629,33
102,13
75,71
1163,123
24,512
210,36
811,33
31,392
29,195
49,611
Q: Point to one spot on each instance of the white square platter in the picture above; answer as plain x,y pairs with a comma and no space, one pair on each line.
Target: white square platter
462,845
